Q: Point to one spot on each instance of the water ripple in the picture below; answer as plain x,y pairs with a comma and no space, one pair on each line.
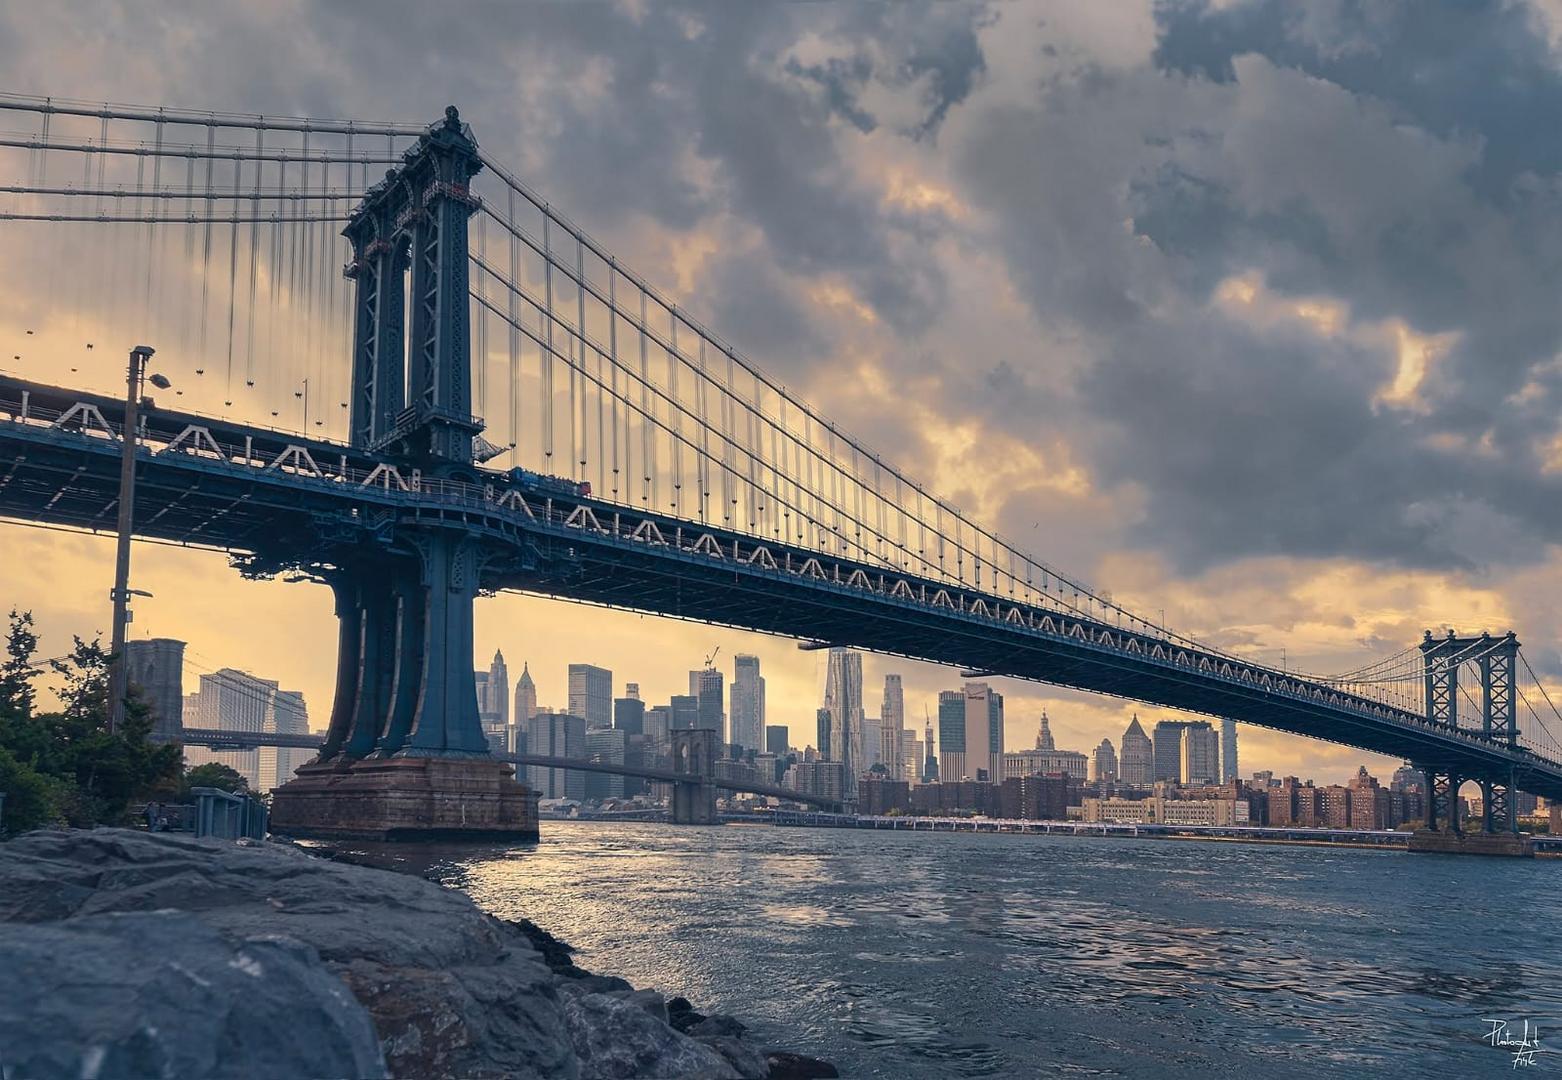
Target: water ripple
933,955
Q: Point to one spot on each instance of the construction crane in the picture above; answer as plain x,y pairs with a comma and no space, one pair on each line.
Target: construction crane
710,661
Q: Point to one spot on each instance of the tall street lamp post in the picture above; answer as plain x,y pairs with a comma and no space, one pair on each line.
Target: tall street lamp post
130,436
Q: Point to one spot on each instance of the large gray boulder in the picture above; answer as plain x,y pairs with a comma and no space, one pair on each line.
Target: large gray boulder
158,994
450,991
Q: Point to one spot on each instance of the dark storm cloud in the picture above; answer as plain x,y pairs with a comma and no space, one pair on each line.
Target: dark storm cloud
681,112
1400,158
755,305
1124,197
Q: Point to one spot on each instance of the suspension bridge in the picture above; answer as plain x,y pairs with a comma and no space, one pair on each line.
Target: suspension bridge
396,371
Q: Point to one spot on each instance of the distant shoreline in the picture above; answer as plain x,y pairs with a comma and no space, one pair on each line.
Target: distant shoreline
1547,846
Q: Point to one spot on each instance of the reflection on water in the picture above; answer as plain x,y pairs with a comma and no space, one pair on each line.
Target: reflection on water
960,954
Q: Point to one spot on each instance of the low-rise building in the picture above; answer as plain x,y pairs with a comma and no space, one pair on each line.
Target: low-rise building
1035,798
1045,762
824,779
878,795
1158,810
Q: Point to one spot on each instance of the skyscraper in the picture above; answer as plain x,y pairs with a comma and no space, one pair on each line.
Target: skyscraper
983,731
499,689
1103,762
1228,750
843,697
1136,763
1044,740
610,748
706,688
658,722
289,716
748,703
1200,762
684,711
525,698
822,734
930,766
591,695
778,739
912,755
557,735
872,744
493,703
1167,737
629,715
233,700
892,723
157,667
951,736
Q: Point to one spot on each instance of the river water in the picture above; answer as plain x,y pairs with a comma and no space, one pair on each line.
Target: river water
898,954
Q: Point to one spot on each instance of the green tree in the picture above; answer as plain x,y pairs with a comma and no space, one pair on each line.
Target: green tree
213,774
32,800
89,776
108,769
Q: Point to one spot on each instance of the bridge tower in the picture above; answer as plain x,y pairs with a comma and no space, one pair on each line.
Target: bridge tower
1495,660
405,754
694,752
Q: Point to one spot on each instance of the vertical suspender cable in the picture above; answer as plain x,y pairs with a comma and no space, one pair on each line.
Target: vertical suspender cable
480,313
152,234
254,250
306,271
647,430
612,344
677,409
548,350
515,278
701,385
206,246
233,274
577,386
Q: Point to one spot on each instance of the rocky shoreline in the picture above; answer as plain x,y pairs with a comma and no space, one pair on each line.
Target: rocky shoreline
139,955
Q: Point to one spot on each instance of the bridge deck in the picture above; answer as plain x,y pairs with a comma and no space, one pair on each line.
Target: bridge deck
263,494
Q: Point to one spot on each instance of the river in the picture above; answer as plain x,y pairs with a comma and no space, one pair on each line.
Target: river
897,954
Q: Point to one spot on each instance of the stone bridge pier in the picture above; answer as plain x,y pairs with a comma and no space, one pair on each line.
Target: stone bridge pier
694,752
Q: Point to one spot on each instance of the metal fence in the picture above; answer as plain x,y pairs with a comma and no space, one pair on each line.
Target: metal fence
227,816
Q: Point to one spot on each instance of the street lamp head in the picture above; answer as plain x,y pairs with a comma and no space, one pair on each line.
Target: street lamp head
159,381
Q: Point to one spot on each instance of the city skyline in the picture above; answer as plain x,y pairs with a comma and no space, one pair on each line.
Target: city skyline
1078,721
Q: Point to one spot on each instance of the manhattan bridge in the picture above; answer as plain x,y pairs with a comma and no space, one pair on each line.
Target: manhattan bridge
394,370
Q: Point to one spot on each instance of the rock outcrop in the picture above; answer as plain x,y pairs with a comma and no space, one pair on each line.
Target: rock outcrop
158,955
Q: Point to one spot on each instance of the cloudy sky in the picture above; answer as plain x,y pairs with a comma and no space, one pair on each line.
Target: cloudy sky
1242,311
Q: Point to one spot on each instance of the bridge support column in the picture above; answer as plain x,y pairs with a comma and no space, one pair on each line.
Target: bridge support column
1442,800
1498,809
694,752
445,720
406,662
1443,833
349,636
406,757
